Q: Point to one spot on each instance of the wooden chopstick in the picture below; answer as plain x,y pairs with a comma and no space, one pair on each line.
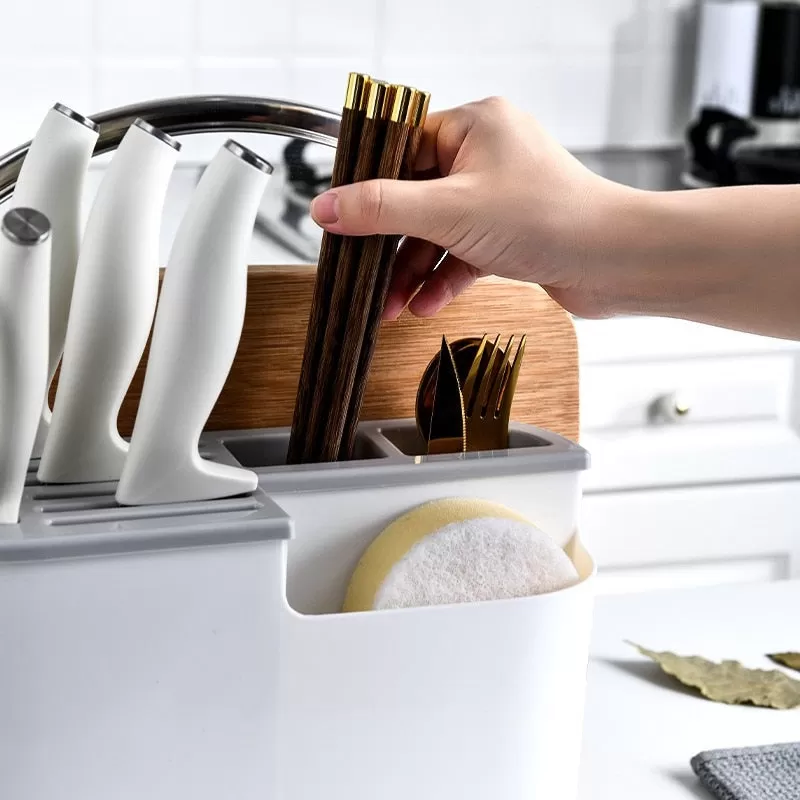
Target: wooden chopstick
379,137
419,115
353,115
367,270
327,377
418,112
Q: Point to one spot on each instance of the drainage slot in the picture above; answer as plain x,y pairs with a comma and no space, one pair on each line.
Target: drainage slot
129,513
69,492
89,504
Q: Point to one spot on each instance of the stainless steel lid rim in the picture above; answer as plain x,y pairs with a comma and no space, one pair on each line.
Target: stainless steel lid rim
191,114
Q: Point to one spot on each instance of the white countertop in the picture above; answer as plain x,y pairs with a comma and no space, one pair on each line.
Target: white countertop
642,728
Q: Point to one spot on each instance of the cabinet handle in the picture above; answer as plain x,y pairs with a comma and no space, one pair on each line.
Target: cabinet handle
671,407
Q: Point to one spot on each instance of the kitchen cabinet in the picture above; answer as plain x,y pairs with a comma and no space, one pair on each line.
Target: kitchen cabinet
693,434
668,537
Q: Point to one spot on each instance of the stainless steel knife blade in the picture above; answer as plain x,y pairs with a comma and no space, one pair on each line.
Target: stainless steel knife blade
448,426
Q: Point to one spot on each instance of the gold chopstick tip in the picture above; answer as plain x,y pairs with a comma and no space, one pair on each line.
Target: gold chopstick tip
356,83
402,104
423,99
375,99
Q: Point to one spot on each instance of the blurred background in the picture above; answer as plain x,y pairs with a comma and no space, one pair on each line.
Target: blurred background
598,73
692,430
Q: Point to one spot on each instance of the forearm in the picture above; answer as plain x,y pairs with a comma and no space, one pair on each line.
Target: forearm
728,256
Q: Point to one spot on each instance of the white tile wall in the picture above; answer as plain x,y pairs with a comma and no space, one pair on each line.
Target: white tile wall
142,30
596,72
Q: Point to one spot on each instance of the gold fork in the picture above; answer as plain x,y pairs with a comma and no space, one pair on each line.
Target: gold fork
488,393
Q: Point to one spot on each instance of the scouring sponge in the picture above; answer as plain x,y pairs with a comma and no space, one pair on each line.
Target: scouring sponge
457,551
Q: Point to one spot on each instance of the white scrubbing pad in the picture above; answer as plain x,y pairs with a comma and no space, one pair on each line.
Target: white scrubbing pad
477,559
457,550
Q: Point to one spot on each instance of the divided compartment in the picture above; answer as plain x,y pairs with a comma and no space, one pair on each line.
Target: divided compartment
394,447
267,448
409,441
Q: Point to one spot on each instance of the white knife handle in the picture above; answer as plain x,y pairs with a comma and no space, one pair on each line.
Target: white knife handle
113,301
51,180
25,247
195,337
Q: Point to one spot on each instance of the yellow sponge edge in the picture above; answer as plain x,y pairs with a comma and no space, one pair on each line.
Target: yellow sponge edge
401,535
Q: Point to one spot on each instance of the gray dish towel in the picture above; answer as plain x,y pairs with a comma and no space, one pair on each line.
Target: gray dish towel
771,772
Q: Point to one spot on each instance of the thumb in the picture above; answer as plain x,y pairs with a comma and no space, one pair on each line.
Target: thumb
422,209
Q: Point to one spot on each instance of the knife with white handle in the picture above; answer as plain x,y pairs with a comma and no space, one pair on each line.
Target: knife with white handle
196,333
113,302
25,247
51,180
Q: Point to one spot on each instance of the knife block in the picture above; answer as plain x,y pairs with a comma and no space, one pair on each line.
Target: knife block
198,650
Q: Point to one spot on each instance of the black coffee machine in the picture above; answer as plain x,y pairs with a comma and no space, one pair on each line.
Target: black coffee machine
746,122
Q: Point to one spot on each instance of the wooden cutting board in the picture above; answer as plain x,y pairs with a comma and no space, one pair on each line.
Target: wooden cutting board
260,390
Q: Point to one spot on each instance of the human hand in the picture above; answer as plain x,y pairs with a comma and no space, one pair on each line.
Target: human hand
504,199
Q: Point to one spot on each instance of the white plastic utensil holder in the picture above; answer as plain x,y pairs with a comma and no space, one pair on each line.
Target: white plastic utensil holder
198,650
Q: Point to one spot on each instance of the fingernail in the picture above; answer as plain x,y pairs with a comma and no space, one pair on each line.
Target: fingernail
325,208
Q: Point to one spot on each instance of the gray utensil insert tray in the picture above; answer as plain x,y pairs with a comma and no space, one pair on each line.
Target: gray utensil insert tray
84,519
68,520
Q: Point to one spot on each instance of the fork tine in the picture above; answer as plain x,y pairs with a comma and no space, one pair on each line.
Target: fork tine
497,387
472,375
486,380
511,386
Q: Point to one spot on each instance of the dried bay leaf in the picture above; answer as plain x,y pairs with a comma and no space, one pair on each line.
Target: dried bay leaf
791,660
729,681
